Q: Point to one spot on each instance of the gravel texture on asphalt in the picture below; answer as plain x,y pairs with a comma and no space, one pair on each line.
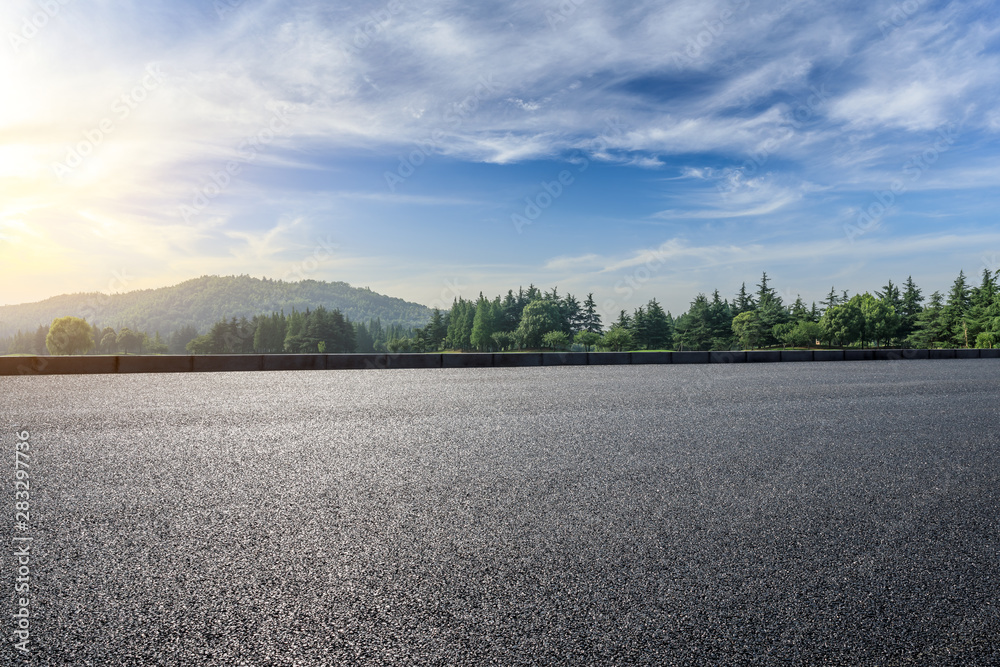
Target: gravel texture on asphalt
825,513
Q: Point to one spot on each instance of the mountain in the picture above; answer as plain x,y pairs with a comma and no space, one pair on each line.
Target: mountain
206,300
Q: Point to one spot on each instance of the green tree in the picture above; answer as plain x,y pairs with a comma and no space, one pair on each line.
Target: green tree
460,322
910,306
69,335
363,337
556,340
693,329
930,329
803,333
748,329
640,329
720,322
437,329
398,345
504,340
659,328
572,315
109,342
981,299
539,318
844,324
798,310
128,339
744,301
956,313
588,339
483,325
831,300
617,339
990,335
770,310
101,341
157,345
200,345
591,318
178,340
881,320
891,295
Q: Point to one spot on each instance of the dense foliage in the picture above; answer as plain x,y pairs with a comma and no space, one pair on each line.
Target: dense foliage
202,302
969,316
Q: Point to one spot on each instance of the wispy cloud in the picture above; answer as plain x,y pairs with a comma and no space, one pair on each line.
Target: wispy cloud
763,122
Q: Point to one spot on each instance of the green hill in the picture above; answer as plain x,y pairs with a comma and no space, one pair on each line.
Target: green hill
204,301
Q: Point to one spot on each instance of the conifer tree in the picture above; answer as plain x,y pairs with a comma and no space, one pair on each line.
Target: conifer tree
910,307
659,329
930,328
744,301
956,313
640,329
591,318
483,326
831,300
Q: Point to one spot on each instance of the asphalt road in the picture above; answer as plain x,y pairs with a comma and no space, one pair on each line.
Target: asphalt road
821,513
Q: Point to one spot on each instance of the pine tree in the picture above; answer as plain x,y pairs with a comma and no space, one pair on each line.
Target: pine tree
831,300
659,329
890,294
693,330
766,294
981,298
930,326
591,318
799,311
483,326
956,312
720,316
365,342
640,329
572,315
744,302
437,329
910,307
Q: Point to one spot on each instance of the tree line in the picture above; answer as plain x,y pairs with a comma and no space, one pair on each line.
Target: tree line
894,315
532,319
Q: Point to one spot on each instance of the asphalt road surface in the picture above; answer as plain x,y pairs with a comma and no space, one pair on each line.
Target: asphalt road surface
821,513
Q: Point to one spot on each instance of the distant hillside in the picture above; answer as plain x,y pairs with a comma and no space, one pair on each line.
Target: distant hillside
204,301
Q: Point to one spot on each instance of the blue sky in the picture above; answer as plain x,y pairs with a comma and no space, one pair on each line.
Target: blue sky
427,149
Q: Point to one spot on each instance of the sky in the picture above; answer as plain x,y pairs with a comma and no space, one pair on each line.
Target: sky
432,149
